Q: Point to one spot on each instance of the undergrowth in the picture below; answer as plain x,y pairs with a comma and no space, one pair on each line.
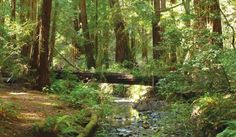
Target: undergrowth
7,110
87,98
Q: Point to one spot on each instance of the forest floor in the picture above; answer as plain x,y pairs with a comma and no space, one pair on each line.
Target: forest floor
31,107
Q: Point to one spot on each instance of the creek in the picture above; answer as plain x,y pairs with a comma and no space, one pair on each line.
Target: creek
129,122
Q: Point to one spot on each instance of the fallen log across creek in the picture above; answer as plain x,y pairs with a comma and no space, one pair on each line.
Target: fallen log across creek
114,78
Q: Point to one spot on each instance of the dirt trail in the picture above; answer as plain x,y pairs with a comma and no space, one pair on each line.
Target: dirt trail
32,107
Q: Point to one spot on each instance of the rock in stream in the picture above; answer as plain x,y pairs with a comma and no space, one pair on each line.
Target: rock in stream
128,122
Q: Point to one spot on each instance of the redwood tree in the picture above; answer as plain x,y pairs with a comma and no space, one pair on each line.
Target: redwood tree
216,23
123,51
88,41
156,29
45,18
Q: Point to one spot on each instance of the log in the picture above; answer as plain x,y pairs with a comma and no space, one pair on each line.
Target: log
117,78
90,126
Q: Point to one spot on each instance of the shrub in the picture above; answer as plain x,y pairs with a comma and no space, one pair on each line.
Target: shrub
230,131
55,126
7,110
83,96
61,86
211,112
177,121
86,96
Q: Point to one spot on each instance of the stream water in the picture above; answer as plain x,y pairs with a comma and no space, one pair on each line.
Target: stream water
128,122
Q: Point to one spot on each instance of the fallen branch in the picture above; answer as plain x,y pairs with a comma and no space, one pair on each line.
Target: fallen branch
90,126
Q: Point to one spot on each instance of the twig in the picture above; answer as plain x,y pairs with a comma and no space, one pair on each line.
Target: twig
66,59
228,23
167,9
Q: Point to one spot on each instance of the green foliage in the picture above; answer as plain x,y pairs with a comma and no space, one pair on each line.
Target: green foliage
87,96
211,112
203,73
7,110
176,121
119,68
205,117
83,96
119,90
57,126
230,131
174,82
228,59
12,38
61,86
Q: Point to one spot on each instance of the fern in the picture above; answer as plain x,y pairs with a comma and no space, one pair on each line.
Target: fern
230,131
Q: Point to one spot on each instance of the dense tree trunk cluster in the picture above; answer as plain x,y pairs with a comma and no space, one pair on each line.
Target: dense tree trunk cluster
92,24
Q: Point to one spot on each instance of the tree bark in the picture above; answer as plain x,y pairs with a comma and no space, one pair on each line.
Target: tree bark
88,44
143,35
44,44
133,46
35,53
76,48
123,51
187,9
35,45
24,10
96,33
217,26
53,32
13,10
156,30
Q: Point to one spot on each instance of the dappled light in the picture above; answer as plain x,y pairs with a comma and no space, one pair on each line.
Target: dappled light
30,116
117,68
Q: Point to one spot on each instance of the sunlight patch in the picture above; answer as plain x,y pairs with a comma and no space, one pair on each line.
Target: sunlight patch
31,116
18,93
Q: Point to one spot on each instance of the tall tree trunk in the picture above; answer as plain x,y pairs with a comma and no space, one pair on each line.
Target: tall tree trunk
35,54
75,50
187,8
88,44
200,11
24,10
96,33
33,10
143,34
156,30
217,26
123,51
2,16
13,10
44,44
173,47
133,46
35,44
13,17
53,31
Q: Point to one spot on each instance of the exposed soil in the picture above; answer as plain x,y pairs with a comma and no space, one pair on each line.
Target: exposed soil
32,107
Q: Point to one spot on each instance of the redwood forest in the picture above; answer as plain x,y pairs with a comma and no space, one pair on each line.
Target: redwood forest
117,68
